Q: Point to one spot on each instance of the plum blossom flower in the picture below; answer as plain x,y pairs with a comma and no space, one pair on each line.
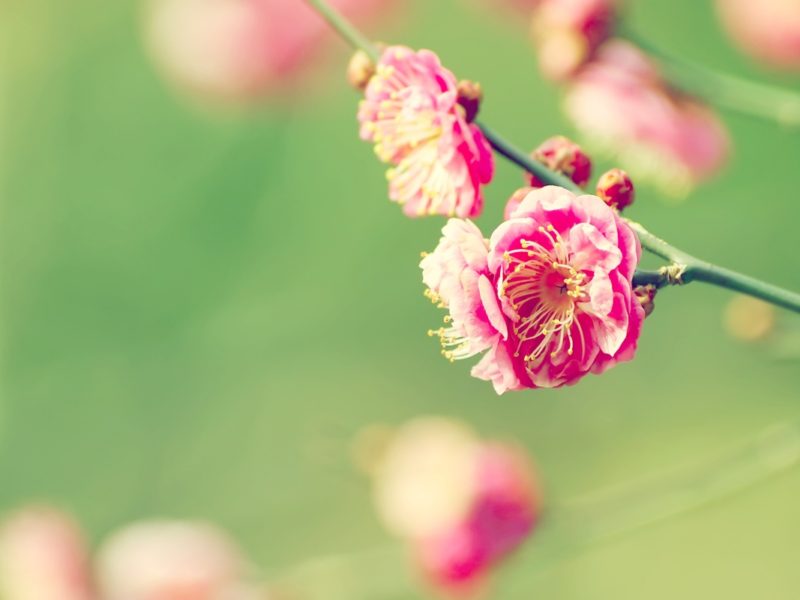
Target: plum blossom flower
623,107
461,502
43,557
412,114
567,33
241,50
548,297
172,559
768,30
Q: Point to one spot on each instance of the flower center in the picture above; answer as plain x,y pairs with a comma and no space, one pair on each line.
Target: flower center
543,289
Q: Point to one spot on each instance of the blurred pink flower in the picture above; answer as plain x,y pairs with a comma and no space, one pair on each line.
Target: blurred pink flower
172,560
411,112
241,49
567,33
462,503
623,107
768,30
549,296
43,557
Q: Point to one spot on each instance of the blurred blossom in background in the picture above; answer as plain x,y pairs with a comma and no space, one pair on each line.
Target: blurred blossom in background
623,107
244,51
767,30
461,503
43,557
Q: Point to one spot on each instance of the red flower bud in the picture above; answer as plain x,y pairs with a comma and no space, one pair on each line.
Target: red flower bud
470,95
646,295
615,188
564,156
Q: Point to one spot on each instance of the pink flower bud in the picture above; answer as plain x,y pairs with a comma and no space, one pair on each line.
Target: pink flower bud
615,188
768,30
43,557
564,156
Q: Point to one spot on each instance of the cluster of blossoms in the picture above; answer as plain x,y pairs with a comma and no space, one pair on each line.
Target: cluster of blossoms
462,503
619,100
549,297
419,121
43,557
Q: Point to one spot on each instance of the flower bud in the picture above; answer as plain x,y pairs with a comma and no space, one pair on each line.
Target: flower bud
470,95
515,200
615,188
646,295
360,70
564,156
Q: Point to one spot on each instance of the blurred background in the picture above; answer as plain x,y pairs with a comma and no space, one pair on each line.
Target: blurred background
202,307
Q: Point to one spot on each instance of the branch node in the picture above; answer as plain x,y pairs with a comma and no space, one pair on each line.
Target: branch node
673,274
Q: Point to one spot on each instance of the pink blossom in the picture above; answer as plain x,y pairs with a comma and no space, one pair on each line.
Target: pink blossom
548,297
768,30
567,33
503,513
462,503
172,559
623,107
43,557
411,112
241,49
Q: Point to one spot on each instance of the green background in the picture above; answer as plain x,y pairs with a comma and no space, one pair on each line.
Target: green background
199,311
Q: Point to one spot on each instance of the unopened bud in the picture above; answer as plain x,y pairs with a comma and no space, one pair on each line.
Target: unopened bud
360,70
564,156
615,188
515,200
646,296
470,95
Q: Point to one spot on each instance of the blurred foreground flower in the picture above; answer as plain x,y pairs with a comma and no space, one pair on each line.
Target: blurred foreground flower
43,557
567,33
768,30
549,297
240,50
411,111
462,503
172,560
623,107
